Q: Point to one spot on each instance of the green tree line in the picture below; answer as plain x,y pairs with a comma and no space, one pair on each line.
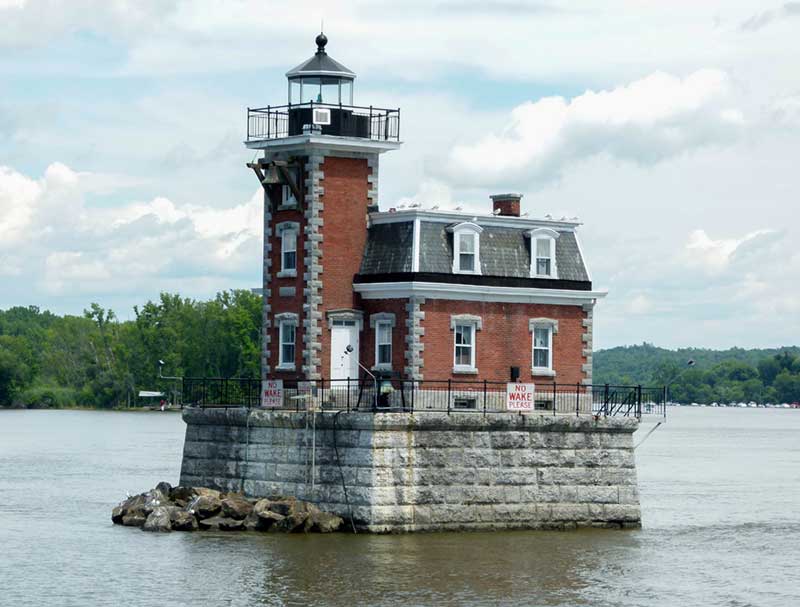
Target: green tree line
96,360
736,375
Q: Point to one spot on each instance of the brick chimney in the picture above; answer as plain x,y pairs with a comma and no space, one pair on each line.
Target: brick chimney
506,204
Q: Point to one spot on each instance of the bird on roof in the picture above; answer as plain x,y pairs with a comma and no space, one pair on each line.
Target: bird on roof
525,214
574,218
497,211
434,207
401,206
459,208
548,216
414,205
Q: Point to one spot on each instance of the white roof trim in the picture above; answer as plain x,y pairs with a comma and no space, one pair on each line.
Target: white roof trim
436,290
542,233
328,142
442,216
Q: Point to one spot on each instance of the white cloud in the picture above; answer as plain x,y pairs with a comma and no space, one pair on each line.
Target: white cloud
716,255
66,247
644,122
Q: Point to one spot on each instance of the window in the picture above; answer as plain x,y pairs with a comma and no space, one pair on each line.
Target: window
466,248
287,340
287,196
542,331
543,253
463,402
466,252
541,348
288,336
544,256
288,231
383,344
464,327
383,323
289,250
465,346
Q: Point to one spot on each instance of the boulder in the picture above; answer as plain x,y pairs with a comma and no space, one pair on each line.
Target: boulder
207,491
182,496
165,488
323,522
158,520
135,518
153,499
205,506
222,523
267,518
295,517
252,523
181,520
236,507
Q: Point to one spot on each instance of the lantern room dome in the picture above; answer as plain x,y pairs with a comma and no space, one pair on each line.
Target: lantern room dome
321,65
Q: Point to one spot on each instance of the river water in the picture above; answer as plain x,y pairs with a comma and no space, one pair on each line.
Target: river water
720,491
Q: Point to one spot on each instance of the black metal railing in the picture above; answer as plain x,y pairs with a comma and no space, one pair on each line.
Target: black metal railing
363,122
427,395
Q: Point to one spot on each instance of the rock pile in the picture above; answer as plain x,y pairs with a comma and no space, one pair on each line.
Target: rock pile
168,508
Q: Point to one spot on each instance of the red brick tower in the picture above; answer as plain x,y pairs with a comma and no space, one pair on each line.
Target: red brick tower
319,170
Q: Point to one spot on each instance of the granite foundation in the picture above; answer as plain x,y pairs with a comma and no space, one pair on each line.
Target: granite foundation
400,472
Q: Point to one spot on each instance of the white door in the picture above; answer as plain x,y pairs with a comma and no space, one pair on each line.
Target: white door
344,333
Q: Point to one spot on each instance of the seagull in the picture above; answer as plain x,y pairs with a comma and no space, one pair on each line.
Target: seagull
548,216
459,208
414,205
563,218
434,207
496,211
574,218
401,206
525,214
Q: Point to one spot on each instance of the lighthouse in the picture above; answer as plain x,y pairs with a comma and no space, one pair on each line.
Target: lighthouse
318,165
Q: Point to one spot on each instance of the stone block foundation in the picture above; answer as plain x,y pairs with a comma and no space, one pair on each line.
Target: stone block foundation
429,471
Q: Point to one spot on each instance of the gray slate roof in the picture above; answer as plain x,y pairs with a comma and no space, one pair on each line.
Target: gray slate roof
503,251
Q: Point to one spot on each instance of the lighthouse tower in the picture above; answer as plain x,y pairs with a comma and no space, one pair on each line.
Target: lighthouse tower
319,171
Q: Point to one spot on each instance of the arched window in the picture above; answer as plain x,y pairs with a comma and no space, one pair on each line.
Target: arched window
466,248
543,253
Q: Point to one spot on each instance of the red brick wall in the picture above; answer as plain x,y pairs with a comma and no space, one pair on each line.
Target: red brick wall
398,308
344,232
504,341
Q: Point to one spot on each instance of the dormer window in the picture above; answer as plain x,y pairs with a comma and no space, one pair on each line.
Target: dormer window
466,248
543,253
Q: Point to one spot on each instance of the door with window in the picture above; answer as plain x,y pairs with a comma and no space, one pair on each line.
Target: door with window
344,333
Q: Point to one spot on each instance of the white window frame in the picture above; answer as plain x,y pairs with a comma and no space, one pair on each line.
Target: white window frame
466,228
289,232
288,200
476,324
551,326
284,321
550,236
375,322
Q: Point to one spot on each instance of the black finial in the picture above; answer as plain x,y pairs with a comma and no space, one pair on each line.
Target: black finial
321,41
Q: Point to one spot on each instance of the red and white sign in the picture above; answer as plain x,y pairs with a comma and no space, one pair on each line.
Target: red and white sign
520,397
272,393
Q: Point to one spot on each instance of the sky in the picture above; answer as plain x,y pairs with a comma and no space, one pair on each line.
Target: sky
671,129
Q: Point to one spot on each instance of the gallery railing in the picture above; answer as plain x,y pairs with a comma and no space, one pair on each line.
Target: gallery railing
363,122
426,395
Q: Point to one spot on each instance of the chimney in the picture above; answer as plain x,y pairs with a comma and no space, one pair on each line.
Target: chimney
506,204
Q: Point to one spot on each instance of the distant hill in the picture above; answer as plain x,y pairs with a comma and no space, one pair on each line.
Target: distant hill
767,374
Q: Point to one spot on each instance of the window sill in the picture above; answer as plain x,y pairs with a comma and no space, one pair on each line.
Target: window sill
287,274
382,367
470,272
465,371
550,276
286,368
541,372
287,206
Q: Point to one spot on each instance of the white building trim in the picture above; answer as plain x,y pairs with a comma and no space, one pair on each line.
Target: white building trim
415,245
458,292
486,220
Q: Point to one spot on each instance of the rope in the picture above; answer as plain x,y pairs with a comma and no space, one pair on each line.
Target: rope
341,473
653,429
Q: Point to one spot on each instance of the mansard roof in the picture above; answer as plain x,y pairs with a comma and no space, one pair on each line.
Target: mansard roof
505,250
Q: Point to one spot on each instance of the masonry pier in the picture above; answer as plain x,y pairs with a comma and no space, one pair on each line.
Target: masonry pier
427,471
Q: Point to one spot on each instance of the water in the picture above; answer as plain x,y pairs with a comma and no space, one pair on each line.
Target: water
720,499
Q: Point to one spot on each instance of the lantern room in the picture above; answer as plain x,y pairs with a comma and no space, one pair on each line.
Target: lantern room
321,79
